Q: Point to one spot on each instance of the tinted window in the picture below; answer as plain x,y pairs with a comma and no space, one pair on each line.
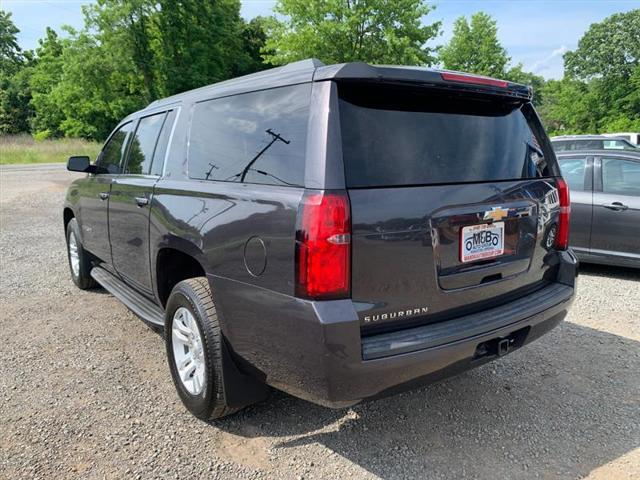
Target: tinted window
143,144
110,159
587,145
163,142
573,172
403,137
255,137
618,145
620,176
591,144
571,145
560,146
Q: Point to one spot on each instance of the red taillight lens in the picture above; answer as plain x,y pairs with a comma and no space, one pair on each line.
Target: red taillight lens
562,235
323,246
462,78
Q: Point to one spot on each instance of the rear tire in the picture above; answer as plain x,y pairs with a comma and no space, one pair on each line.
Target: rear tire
196,363
79,259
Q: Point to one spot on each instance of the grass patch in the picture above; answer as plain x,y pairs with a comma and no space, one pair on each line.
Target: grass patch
24,149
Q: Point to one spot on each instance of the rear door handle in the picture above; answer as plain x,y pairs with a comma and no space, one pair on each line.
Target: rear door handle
103,195
142,201
617,206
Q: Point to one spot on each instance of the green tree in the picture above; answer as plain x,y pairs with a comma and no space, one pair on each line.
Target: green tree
336,31
475,47
200,42
126,27
606,65
15,101
609,49
131,52
568,107
254,37
11,57
15,94
45,76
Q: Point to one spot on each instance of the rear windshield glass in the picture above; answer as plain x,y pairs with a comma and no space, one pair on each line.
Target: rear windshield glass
399,136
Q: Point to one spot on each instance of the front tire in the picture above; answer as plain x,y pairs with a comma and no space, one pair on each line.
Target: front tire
79,259
194,349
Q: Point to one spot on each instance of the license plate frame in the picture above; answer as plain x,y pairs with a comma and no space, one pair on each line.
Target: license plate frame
481,242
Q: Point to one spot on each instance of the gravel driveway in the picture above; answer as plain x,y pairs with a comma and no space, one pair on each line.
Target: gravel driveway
85,390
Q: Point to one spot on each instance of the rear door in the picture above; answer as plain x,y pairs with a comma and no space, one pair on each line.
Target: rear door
616,208
453,201
130,197
578,172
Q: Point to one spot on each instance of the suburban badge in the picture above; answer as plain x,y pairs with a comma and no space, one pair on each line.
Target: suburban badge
409,312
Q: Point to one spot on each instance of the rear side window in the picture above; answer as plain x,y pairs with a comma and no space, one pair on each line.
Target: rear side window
110,160
620,177
257,137
573,171
400,136
143,144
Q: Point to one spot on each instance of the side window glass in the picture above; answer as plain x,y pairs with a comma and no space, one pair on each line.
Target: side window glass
560,146
614,145
110,159
620,177
143,144
573,172
257,137
588,145
163,143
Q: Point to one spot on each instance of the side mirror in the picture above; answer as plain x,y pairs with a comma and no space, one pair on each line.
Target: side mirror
80,164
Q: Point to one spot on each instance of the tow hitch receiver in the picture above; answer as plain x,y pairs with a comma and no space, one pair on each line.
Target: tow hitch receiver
500,346
503,347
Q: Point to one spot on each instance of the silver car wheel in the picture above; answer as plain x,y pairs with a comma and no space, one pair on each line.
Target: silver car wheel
74,255
188,351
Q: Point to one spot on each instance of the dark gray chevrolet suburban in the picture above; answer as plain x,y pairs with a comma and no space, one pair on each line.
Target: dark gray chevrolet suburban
338,232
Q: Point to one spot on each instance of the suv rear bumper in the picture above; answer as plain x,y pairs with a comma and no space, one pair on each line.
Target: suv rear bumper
396,370
314,350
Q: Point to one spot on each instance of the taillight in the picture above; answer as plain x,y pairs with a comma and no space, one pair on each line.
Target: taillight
323,246
475,79
562,235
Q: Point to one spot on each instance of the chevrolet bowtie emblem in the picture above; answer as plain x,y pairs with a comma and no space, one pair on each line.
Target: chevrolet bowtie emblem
496,214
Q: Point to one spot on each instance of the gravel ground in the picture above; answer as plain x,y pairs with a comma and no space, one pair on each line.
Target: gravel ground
85,391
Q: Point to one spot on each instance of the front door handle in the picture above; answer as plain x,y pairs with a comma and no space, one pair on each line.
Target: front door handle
617,206
142,201
103,195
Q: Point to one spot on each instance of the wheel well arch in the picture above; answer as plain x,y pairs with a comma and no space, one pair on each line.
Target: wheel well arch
67,215
173,266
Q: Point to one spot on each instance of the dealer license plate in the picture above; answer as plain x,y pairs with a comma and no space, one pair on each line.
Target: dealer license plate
479,242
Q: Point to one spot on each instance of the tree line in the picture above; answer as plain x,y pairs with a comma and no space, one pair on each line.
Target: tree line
131,52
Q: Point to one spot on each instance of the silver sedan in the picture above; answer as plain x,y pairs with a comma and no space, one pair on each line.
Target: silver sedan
605,203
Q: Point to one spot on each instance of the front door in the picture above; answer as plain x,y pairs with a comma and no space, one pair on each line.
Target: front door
616,208
94,201
129,204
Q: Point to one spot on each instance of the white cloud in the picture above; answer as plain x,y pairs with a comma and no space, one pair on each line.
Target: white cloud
550,62
559,51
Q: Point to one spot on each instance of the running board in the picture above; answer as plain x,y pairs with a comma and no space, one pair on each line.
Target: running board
142,307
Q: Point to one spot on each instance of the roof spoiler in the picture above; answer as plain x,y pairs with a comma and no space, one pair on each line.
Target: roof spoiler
423,76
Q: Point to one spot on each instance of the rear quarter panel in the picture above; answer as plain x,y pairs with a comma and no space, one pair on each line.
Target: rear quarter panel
230,228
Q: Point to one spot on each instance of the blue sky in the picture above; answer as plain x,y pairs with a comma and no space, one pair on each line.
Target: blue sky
534,32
